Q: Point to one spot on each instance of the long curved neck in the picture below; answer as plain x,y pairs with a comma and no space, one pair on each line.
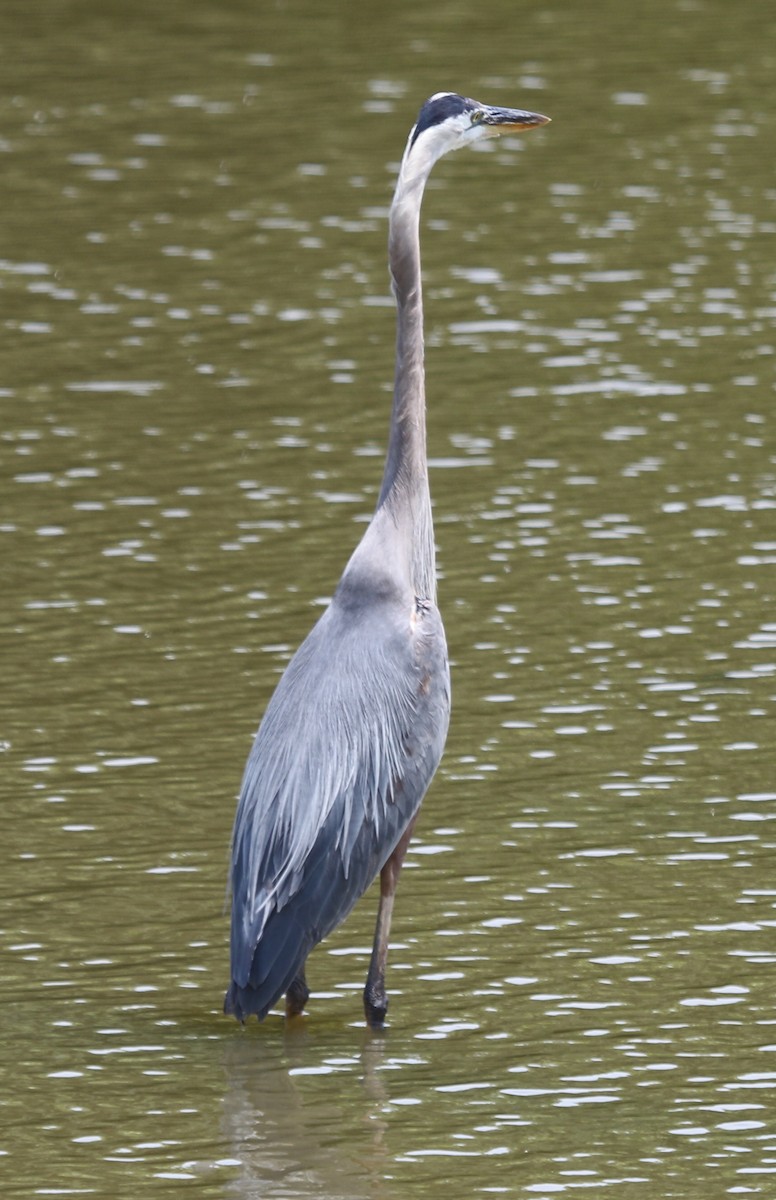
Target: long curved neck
405,491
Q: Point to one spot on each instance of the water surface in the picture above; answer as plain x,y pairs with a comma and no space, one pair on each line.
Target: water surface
195,376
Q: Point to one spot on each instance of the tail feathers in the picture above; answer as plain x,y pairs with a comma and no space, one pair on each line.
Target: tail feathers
277,960
242,1001
263,968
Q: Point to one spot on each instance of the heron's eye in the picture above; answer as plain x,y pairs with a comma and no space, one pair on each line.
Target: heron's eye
477,116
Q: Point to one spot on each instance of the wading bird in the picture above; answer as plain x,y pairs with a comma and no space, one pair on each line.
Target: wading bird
355,729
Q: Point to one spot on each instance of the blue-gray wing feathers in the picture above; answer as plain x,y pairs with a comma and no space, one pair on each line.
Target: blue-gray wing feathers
340,764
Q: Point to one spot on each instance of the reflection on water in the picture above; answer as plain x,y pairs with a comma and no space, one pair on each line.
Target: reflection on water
290,1136
196,371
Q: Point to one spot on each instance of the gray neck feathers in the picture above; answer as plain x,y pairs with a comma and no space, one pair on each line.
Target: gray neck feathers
405,492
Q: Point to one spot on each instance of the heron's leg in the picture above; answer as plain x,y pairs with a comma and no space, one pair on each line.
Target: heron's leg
375,998
297,995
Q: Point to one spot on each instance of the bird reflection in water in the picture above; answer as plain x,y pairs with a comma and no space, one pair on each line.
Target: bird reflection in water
292,1134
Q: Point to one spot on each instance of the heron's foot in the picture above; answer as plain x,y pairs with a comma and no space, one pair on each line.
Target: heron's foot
375,1004
296,997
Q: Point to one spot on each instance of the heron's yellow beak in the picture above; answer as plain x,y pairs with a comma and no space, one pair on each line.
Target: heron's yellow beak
504,120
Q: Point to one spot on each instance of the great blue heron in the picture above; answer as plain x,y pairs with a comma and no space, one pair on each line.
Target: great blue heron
356,727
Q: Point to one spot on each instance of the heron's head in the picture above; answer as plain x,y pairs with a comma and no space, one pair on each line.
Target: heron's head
447,121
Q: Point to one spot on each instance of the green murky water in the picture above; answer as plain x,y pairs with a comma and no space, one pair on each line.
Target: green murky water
195,374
